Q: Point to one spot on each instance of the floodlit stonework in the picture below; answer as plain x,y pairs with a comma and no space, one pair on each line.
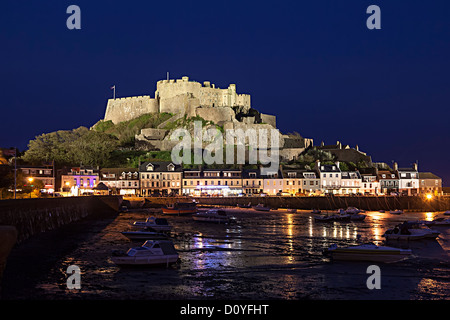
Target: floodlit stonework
184,98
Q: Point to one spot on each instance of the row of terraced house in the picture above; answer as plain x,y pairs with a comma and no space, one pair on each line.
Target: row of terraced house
169,179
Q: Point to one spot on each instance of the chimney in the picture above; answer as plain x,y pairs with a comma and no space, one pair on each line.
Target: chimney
357,148
337,165
415,166
339,145
317,167
395,166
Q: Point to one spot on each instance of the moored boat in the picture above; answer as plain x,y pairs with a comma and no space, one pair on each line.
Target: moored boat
367,252
157,224
145,234
291,210
396,211
248,205
411,231
261,207
151,253
438,222
213,215
180,208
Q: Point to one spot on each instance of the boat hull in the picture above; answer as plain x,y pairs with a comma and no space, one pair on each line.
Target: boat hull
386,257
170,211
145,261
369,252
210,219
144,235
142,225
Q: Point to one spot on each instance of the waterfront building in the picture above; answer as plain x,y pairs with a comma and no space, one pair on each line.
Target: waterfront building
79,181
273,183
212,182
292,182
252,182
351,182
389,181
330,177
122,181
44,174
408,179
430,183
370,185
310,183
160,178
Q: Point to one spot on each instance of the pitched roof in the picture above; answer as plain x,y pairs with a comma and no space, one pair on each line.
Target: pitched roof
159,166
428,175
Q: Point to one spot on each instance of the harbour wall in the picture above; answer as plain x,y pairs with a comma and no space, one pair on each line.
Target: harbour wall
32,216
413,203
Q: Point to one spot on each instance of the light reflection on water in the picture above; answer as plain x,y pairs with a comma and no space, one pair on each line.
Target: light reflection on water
225,257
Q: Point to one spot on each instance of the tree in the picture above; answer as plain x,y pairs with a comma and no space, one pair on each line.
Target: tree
71,147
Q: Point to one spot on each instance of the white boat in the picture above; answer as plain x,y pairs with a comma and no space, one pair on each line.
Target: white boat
438,222
355,213
158,252
145,234
324,218
352,210
410,231
157,224
367,252
213,215
333,216
396,211
261,207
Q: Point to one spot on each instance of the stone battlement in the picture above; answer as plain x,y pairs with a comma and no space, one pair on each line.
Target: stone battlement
178,96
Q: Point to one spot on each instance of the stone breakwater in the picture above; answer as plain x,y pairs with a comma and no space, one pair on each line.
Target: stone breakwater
33,216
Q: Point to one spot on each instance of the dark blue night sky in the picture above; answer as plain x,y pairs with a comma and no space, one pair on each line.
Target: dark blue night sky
313,64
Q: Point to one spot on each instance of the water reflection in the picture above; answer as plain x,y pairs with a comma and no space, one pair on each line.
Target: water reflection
289,231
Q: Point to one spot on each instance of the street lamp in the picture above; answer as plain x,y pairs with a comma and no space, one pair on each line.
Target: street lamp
30,180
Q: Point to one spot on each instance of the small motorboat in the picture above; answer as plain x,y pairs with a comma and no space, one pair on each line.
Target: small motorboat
157,224
367,252
438,222
330,216
145,234
261,207
316,211
396,211
213,215
291,210
352,210
151,253
411,231
248,205
180,208
354,213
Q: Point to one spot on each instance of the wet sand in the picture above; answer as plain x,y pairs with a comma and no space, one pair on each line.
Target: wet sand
265,255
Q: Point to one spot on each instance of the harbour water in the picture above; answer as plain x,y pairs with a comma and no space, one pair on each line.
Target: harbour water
264,255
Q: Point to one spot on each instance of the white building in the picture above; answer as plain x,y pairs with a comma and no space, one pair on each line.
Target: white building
351,182
408,179
330,177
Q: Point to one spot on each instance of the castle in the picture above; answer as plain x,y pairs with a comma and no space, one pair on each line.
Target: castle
187,98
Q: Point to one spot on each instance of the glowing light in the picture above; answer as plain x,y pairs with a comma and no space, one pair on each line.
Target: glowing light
429,196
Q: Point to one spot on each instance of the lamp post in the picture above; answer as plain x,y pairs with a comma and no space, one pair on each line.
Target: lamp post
30,180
